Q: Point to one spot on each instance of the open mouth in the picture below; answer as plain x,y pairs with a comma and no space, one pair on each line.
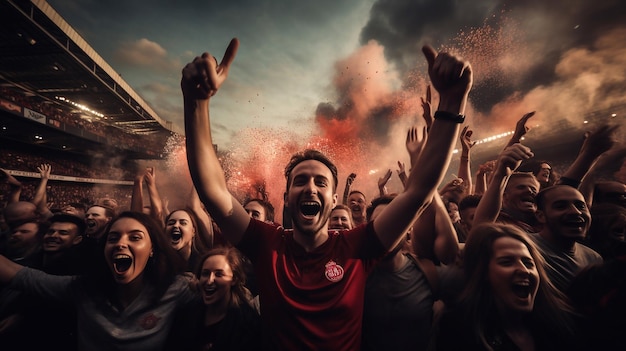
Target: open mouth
176,235
574,223
209,290
91,224
121,263
522,289
310,209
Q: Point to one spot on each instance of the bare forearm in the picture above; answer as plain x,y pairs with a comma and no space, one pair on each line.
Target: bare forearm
206,170
208,175
421,186
446,244
156,203
346,193
465,173
481,184
136,200
491,201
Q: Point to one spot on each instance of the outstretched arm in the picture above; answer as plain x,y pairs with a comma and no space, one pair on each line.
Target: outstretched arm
205,224
434,236
609,162
136,200
491,202
595,144
346,191
156,203
14,184
520,129
465,172
452,78
402,173
485,170
201,79
382,183
40,199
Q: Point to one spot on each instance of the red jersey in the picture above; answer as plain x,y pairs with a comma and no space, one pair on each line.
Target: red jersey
311,300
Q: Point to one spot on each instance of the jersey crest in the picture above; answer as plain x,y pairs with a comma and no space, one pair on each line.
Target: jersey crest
334,272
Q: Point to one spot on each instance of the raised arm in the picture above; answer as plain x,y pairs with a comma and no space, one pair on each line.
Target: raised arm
452,78
402,173
485,170
465,172
205,224
201,79
520,129
608,163
346,191
491,202
434,236
14,185
156,203
427,108
40,199
382,183
595,144
136,200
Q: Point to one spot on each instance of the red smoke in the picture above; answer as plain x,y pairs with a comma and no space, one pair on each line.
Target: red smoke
364,129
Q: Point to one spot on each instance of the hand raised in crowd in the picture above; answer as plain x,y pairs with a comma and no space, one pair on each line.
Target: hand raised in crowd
44,170
455,185
599,141
466,139
382,182
451,77
415,141
427,108
150,176
401,168
521,128
512,156
402,173
487,167
350,178
203,77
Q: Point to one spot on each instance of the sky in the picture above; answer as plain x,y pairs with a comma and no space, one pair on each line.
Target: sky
346,77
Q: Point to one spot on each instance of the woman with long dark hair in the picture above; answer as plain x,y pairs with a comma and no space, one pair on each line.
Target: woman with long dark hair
127,301
508,302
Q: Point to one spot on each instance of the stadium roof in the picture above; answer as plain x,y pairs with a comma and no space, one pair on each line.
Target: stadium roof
42,55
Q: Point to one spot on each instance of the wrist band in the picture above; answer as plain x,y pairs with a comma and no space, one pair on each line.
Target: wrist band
449,116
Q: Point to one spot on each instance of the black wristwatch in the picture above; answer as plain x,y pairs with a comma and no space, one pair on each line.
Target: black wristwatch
448,116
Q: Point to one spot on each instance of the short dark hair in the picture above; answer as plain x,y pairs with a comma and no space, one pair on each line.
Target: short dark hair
540,198
269,208
381,200
63,217
469,201
310,154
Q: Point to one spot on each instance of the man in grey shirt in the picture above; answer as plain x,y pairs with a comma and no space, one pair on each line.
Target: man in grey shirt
566,219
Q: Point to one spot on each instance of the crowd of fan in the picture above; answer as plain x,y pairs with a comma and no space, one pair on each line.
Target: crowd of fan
106,132
503,258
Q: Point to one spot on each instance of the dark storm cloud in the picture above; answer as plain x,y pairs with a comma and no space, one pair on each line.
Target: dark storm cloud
550,27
